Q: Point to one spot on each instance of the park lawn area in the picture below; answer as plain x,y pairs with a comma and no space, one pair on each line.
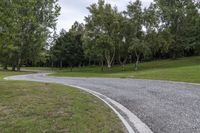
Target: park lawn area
31,107
183,69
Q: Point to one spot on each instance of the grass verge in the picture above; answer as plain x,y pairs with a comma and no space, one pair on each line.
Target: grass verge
183,69
10,73
41,107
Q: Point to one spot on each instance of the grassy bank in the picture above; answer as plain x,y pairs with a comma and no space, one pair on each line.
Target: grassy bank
40,107
183,69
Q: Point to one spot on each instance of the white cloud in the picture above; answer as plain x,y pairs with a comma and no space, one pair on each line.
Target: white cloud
75,10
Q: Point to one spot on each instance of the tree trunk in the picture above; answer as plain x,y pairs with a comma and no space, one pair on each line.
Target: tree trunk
61,64
130,59
18,68
102,64
79,66
123,67
71,67
109,64
19,64
109,58
122,63
174,55
13,67
52,64
5,67
137,62
89,61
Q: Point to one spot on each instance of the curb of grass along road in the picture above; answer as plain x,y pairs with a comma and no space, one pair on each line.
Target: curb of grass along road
137,125
126,124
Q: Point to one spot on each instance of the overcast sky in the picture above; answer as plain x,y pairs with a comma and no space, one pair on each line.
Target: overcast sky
75,10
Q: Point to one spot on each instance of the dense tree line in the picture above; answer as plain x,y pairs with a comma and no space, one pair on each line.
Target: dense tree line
166,29
68,48
25,26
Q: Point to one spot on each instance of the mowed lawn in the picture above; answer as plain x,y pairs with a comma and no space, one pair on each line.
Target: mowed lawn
10,73
183,69
30,107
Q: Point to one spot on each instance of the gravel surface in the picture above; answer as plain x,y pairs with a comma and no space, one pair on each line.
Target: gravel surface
166,107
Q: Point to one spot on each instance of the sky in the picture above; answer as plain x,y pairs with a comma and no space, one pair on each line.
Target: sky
76,10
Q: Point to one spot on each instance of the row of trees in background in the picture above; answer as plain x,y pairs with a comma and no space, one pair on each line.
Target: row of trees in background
166,29
68,49
25,26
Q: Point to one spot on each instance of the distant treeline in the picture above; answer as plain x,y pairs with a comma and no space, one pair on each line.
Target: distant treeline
166,29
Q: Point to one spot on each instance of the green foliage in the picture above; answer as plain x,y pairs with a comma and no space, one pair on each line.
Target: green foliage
139,48
68,47
165,29
25,27
180,18
101,29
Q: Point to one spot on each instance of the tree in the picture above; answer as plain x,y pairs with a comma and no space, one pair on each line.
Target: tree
135,14
173,14
100,29
68,48
7,32
74,47
190,30
138,47
124,38
27,25
123,41
166,29
59,48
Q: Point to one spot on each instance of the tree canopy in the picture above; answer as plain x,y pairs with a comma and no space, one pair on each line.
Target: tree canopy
25,26
165,29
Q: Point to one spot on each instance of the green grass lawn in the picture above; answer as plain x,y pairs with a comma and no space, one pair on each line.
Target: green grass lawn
183,69
30,107
10,73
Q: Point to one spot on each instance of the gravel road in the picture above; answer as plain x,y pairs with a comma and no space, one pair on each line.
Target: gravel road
165,107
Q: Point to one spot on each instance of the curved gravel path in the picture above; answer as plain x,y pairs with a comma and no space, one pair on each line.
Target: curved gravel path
165,107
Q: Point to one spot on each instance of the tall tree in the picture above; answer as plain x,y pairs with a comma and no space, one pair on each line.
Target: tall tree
138,47
123,39
30,25
173,14
58,50
100,29
68,47
8,31
75,53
